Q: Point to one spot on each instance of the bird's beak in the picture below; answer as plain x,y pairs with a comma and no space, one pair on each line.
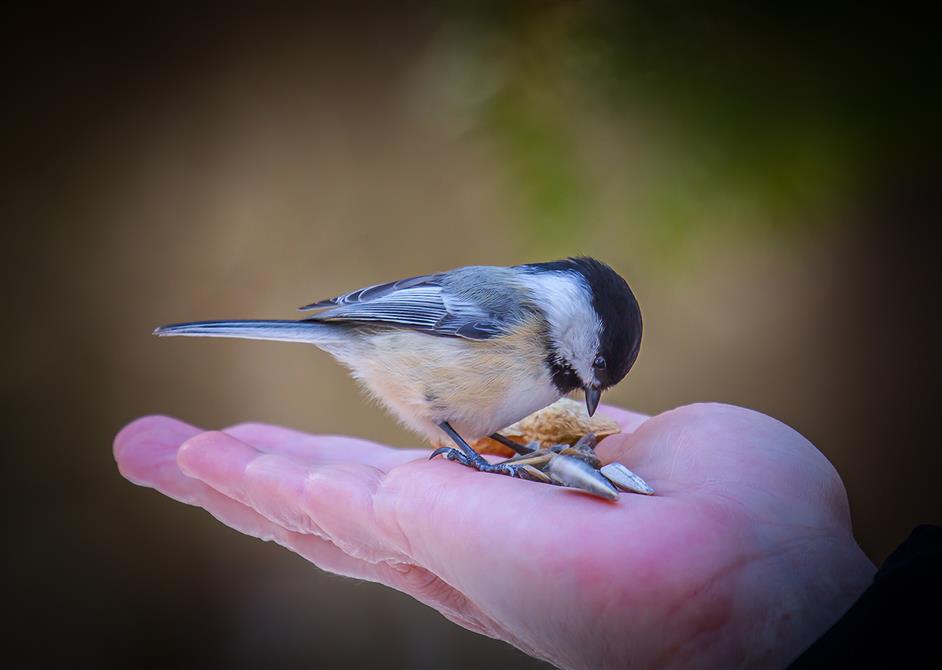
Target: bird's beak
592,396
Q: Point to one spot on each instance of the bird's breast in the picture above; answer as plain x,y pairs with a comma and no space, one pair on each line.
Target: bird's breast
477,386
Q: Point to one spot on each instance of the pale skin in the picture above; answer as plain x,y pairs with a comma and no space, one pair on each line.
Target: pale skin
743,557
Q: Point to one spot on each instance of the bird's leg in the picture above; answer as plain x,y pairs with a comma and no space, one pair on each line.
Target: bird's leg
507,442
466,455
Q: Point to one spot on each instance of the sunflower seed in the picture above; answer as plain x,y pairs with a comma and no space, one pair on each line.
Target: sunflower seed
583,455
625,479
576,473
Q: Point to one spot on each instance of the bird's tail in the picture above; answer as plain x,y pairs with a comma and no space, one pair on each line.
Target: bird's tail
284,331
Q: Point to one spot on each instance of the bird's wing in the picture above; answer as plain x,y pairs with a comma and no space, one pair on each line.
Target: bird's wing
373,292
419,303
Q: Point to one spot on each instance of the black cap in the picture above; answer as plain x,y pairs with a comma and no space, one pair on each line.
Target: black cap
613,301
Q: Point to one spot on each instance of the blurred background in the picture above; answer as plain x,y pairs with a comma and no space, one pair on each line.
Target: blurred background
761,177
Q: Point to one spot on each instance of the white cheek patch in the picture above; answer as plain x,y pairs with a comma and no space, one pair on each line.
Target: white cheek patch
574,323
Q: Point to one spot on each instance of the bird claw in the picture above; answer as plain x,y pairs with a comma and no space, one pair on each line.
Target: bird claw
560,464
451,454
509,469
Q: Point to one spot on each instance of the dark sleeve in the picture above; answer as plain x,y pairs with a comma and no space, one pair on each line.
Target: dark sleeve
898,619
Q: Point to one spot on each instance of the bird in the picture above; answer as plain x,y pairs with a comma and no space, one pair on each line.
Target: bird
466,352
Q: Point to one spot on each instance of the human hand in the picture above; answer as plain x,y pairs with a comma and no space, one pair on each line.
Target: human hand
742,558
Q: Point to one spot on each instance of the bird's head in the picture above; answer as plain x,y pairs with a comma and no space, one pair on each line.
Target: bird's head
594,324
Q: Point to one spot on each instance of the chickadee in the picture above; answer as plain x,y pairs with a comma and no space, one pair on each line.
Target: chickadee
471,350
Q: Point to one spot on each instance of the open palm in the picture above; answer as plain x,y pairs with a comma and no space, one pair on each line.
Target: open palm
742,558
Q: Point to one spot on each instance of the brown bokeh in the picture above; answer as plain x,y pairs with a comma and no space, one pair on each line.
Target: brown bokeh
180,166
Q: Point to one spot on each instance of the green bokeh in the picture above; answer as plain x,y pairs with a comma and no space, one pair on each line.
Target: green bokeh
782,117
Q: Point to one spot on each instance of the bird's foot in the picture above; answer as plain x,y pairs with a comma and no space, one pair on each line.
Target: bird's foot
480,464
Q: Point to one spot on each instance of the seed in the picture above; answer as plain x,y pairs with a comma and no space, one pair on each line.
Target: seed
586,456
625,479
574,472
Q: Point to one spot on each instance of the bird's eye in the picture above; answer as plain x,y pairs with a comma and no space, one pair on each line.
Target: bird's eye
598,363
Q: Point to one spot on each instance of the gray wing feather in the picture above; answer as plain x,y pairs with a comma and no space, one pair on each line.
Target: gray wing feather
421,303
374,292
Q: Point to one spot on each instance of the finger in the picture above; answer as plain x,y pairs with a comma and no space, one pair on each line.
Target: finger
288,442
321,448
146,450
332,501
628,420
146,453
615,447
